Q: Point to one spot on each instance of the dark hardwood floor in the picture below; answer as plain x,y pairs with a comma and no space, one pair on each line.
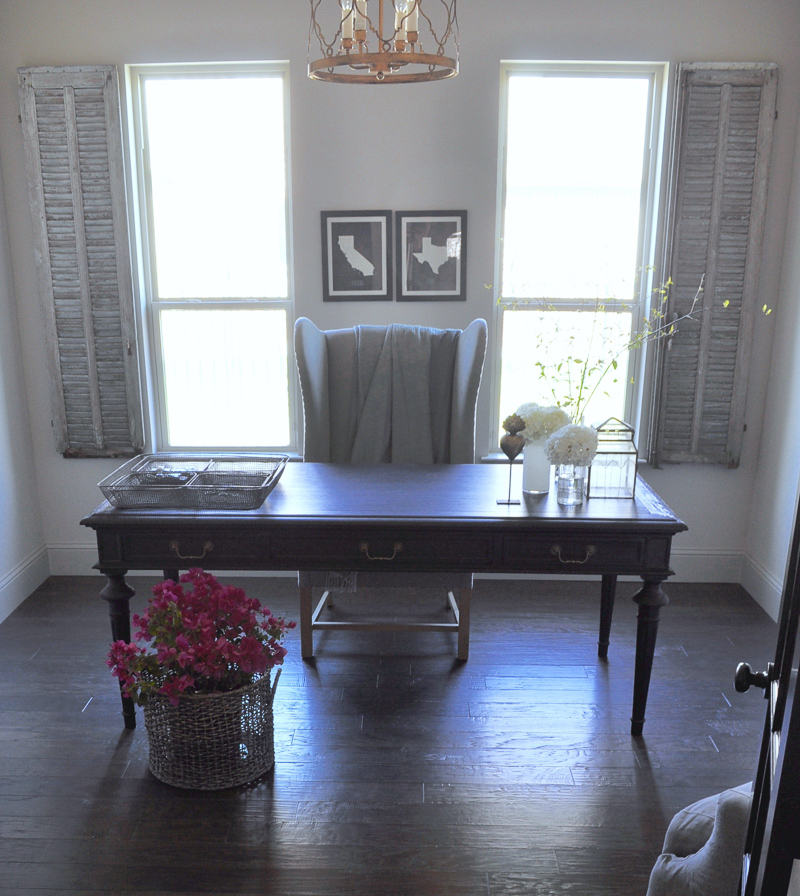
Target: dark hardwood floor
397,771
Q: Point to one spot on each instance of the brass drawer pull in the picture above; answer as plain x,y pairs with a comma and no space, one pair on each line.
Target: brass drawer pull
591,550
397,547
207,546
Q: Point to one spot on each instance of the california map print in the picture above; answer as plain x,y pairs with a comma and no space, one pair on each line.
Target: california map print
355,255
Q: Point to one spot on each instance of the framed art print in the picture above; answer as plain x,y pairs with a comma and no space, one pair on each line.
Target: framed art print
356,256
431,256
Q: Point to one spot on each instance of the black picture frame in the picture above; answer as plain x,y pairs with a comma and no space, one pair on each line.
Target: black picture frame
356,256
431,251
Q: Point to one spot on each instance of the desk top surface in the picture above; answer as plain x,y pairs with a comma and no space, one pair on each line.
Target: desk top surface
408,493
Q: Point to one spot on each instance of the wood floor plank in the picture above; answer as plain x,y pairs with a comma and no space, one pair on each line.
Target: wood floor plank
398,770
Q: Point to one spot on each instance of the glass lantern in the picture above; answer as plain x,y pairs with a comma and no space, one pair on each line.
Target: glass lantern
613,471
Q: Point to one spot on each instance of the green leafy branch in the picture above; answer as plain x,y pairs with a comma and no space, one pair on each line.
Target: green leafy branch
580,373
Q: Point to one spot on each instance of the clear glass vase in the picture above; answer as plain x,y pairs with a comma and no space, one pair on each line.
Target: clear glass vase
535,468
571,482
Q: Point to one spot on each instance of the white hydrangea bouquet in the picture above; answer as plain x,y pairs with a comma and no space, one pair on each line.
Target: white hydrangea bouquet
574,444
541,421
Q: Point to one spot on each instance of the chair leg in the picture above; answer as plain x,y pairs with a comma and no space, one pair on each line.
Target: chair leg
464,597
306,633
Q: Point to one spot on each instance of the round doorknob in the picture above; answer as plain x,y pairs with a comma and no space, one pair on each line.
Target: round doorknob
745,677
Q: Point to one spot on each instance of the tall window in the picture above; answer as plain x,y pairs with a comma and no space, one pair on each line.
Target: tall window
211,167
578,185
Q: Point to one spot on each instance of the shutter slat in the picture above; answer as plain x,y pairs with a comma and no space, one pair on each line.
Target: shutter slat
717,193
72,128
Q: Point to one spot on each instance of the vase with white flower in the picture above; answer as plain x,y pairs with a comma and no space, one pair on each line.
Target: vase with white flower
572,449
540,422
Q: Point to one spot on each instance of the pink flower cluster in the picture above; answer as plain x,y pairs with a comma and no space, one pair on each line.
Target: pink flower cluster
199,639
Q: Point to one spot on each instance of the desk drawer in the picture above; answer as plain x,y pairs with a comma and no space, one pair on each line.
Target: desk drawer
388,550
574,554
185,549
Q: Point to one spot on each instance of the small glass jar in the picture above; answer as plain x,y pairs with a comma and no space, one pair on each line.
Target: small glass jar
571,484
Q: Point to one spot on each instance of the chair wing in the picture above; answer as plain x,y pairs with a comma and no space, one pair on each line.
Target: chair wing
311,352
470,356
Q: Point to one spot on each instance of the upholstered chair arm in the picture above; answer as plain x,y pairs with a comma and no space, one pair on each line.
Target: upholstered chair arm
311,352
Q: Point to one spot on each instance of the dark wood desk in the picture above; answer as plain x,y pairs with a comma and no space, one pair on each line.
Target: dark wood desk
445,518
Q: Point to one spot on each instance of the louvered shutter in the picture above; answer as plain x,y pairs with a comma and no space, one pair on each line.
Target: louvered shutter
73,145
717,196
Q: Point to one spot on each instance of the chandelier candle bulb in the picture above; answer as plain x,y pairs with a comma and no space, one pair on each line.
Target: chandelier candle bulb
400,10
347,21
361,20
412,23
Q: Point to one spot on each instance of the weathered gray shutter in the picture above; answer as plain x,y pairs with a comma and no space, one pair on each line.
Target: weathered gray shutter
717,196
73,145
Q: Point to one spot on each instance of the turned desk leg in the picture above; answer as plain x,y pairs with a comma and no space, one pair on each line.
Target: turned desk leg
651,598
608,589
118,593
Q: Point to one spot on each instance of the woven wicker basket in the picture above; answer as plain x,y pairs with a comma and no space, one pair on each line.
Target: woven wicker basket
213,741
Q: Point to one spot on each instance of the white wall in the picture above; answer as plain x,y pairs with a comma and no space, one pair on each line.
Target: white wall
775,488
427,146
23,556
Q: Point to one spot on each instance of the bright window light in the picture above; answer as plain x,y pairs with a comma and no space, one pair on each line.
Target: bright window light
216,155
573,186
535,345
225,375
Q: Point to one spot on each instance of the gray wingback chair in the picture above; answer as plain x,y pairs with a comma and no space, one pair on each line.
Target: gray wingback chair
393,394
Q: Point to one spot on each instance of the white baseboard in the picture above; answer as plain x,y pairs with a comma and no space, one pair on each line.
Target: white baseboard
72,559
762,586
688,566
706,566
22,581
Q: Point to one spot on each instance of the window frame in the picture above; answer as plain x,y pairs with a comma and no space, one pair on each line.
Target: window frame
649,239
143,249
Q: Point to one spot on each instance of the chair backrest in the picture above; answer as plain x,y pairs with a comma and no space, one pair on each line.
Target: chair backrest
389,394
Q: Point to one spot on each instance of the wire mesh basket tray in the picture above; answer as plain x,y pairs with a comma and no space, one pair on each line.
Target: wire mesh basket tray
194,482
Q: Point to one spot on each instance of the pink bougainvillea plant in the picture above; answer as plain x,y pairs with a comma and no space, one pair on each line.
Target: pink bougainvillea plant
198,639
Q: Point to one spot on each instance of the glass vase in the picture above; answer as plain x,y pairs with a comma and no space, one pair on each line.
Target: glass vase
535,468
571,481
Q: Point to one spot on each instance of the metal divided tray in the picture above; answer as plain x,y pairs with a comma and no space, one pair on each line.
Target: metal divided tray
193,481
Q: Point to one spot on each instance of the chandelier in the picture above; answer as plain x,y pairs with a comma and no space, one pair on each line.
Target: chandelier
377,42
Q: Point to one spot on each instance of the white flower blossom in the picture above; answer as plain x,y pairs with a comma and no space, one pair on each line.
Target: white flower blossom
541,421
572,444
